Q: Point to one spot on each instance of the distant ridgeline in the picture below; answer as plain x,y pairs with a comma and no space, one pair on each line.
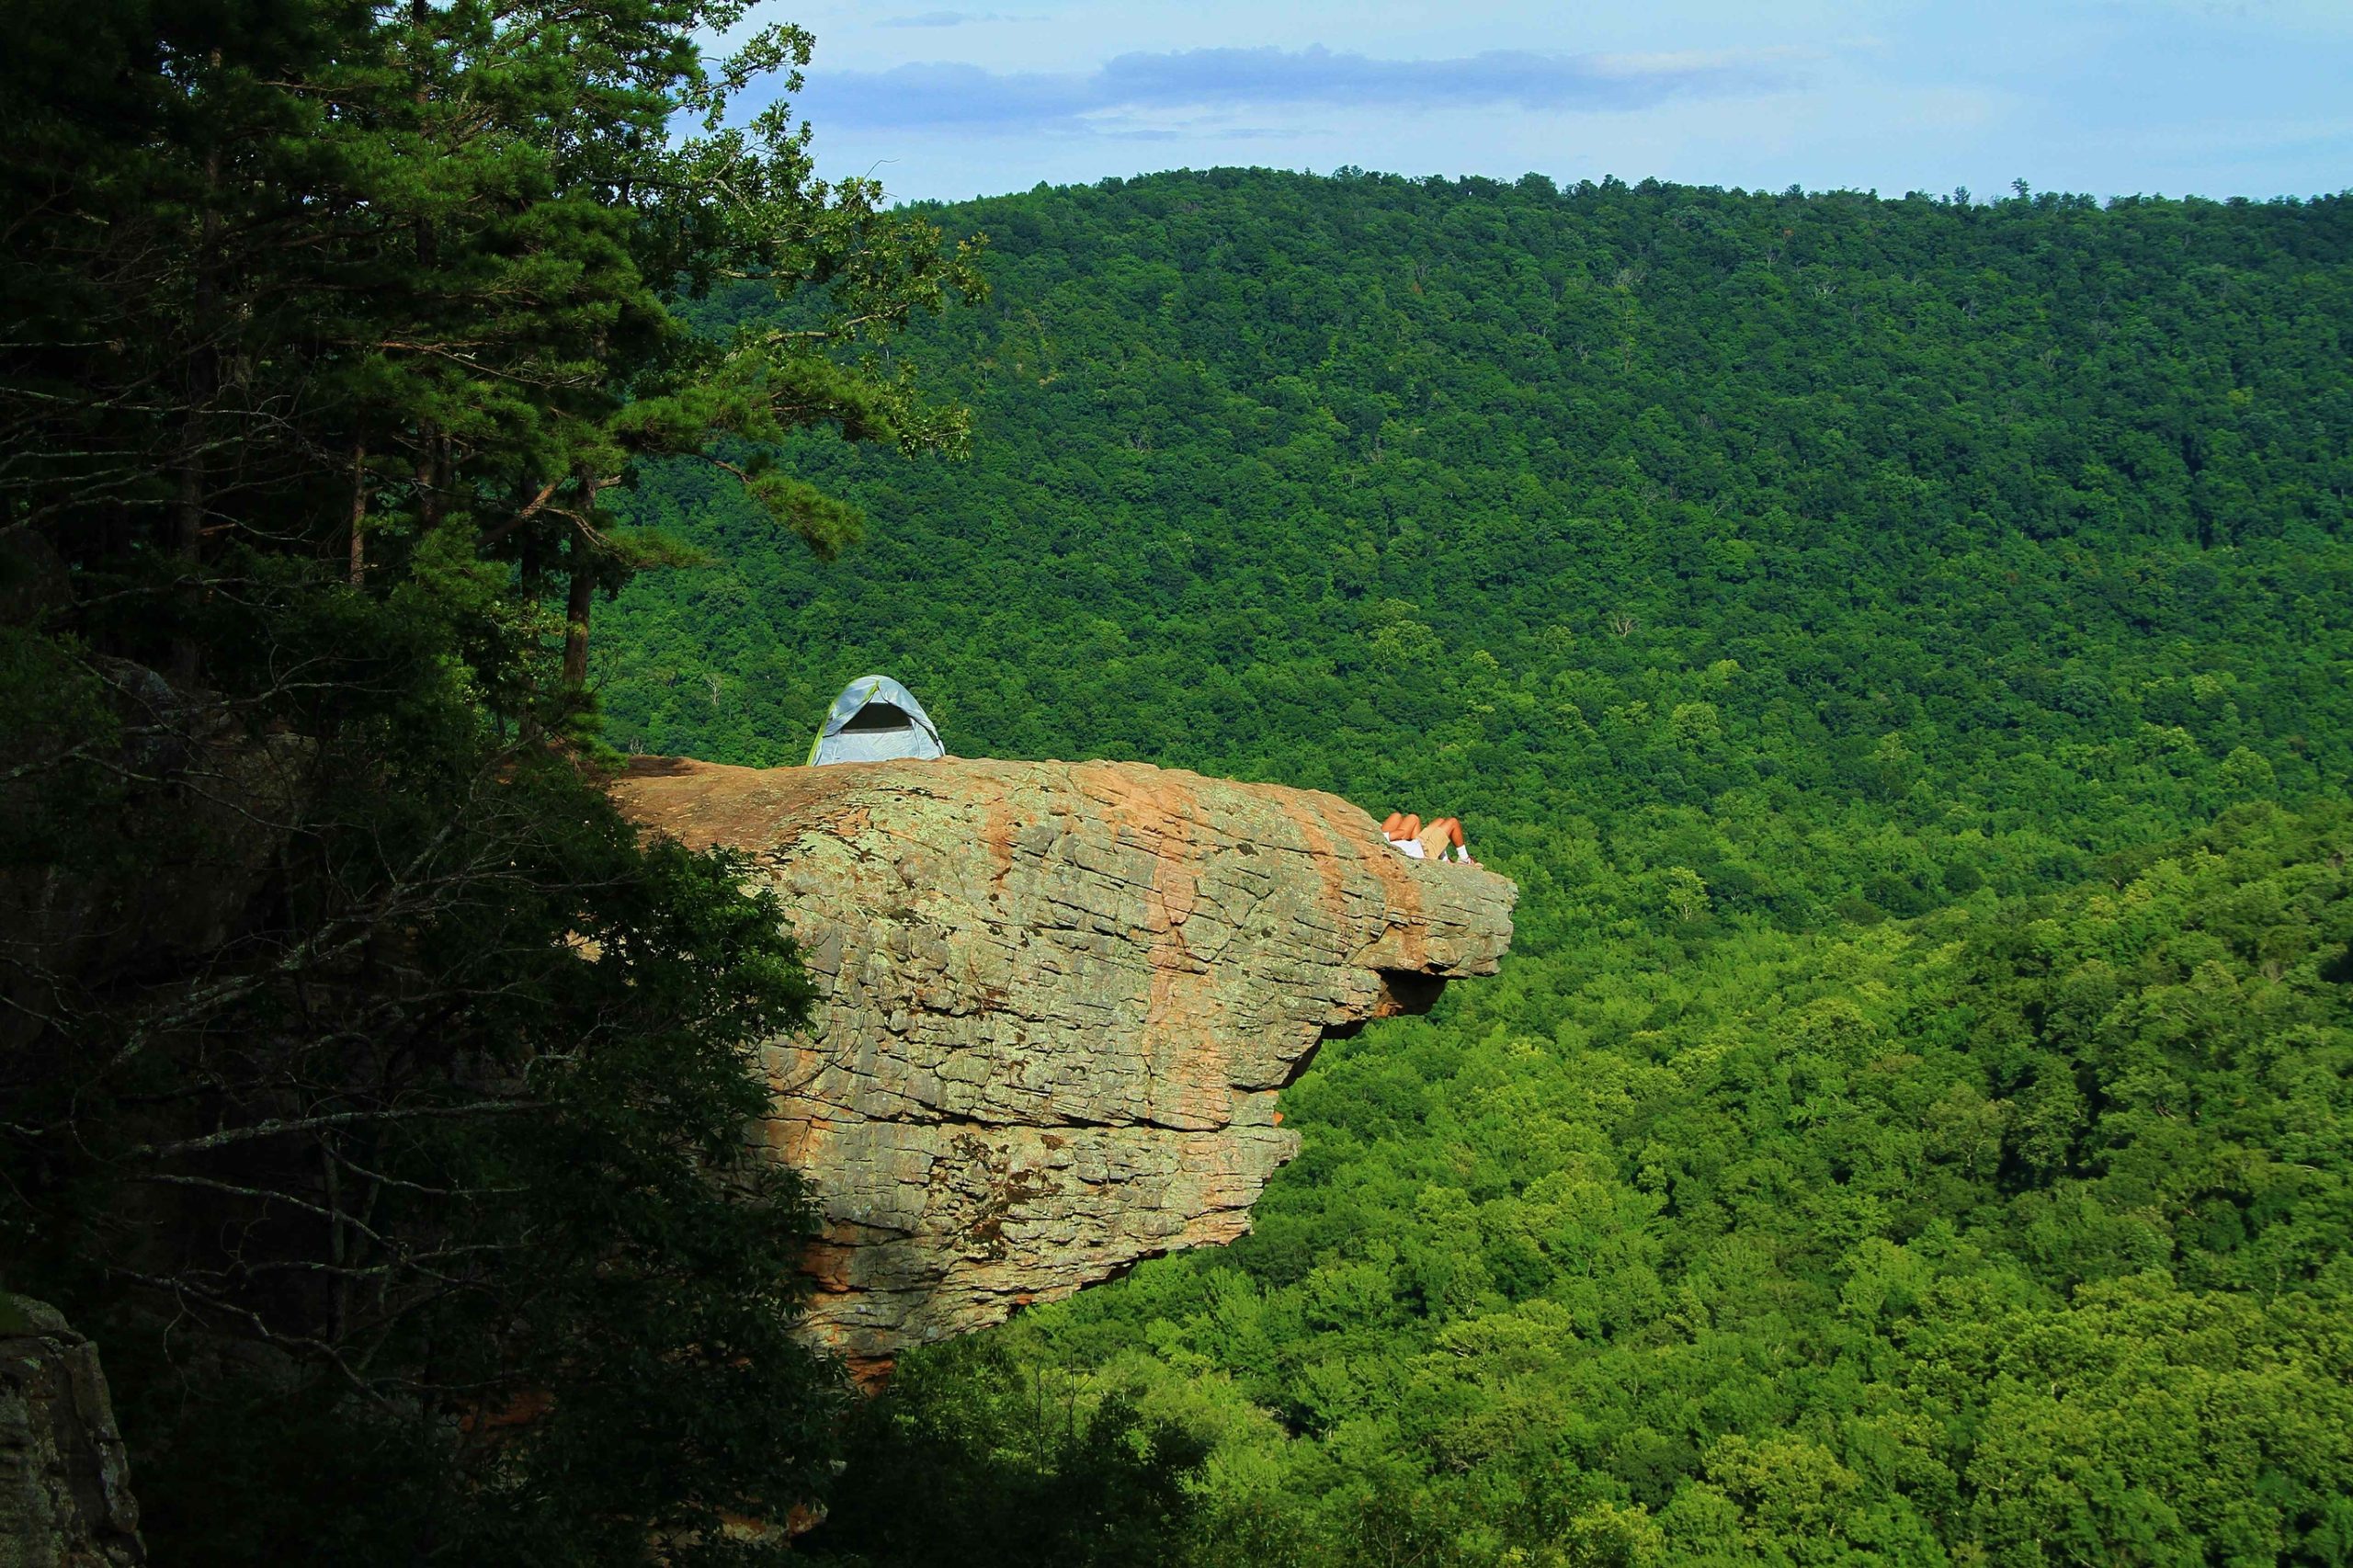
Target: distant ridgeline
1900,650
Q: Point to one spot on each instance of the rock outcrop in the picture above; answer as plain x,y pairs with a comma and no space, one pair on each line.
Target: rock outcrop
200,833
64,1487
1060,1000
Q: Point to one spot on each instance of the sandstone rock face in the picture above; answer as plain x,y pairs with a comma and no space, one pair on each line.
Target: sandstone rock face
1061,998
64,1488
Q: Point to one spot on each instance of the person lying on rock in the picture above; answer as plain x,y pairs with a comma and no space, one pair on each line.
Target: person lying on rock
1407,835
1439,835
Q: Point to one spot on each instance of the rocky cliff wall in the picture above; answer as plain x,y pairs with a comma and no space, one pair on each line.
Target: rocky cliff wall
64,1486
1060,1002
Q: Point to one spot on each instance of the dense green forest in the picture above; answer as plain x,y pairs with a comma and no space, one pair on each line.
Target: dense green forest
1831,548
1900,649
1898,646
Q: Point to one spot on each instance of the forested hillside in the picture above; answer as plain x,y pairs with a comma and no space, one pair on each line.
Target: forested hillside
1900,649
1830,547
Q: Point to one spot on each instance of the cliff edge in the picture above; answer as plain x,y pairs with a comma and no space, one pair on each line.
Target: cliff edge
1060,999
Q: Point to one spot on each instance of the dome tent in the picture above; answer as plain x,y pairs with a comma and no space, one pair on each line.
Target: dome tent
873,719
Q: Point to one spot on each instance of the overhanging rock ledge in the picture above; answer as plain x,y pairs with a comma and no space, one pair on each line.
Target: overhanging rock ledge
1058,1002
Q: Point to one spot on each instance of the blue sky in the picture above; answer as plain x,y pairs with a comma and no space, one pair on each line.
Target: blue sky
2218,97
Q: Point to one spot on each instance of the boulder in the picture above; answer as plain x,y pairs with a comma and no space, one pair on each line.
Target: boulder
64,1486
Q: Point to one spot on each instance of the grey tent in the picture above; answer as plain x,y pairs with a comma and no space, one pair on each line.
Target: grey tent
874,719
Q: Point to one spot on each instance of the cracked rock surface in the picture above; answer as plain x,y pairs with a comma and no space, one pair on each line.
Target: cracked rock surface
64,1486
1060,999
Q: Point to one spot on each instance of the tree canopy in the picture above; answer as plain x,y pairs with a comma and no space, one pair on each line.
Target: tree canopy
372,1095
1898,646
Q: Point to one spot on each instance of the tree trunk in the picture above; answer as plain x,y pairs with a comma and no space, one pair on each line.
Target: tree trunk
204,365
577,602
429,498
359,513
203,392
429,448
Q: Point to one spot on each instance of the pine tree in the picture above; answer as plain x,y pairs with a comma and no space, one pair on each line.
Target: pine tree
370,1088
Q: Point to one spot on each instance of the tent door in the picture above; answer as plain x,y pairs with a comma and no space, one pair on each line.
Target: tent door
877,716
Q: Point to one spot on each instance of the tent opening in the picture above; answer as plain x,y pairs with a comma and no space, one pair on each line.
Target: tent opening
877,716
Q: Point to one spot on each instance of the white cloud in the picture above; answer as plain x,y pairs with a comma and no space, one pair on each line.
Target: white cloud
2099,95
919,95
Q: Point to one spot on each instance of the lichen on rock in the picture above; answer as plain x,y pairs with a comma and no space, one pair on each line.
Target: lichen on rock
1060,1000
64,1484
